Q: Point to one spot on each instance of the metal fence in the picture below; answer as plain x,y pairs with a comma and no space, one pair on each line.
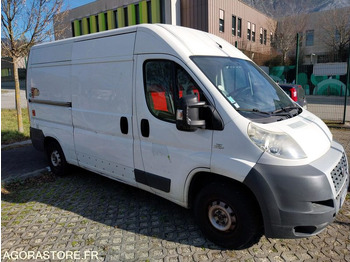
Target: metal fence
328,95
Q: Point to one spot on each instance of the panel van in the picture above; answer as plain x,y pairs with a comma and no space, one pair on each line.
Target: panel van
185,115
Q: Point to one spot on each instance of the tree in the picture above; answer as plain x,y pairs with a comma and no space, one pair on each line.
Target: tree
24,24
336,26
286,29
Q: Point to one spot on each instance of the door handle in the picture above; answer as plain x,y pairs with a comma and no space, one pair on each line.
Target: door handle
144,128
124,126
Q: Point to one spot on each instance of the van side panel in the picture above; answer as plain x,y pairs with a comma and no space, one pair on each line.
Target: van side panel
49,94
101,80
51,53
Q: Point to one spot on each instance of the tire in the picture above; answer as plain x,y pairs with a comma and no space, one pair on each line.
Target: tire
228,216
56,158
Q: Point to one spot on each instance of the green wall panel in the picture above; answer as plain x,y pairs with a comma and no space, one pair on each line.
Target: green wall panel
76,28
93,24
110,20
121,17
85,26
143,12
131,15
101,22
155,5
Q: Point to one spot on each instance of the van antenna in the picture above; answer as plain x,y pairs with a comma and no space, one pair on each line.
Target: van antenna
219,45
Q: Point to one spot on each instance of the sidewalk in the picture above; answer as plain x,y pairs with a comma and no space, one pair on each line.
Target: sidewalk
8,99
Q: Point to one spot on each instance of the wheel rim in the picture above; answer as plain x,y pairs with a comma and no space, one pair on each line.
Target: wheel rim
221,216
55,158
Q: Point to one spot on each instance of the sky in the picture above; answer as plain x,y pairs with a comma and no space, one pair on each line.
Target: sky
75,3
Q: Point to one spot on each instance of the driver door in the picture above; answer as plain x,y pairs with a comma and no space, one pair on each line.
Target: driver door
165,156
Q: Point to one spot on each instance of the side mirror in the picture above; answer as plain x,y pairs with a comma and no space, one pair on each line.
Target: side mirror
187,113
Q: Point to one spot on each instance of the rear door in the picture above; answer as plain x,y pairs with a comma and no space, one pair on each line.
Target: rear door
164,156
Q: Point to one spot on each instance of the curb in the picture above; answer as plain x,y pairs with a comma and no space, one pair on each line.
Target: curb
17,144
340,126
35,173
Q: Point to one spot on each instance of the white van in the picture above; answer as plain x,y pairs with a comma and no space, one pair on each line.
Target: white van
185,115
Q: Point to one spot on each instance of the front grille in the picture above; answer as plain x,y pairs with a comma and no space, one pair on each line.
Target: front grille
339,173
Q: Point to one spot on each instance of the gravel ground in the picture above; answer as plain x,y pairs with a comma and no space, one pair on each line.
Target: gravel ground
86,217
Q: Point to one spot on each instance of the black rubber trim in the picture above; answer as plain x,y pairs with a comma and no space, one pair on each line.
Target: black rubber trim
152,180
37,137
49,102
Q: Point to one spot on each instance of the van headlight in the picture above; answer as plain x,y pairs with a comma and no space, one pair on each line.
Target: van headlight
278,144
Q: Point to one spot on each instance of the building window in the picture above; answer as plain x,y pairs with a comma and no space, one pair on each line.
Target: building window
137,13
253,32
309,38
234,24
6,72
149,12
88,25
239,27
265,36
106,21
222,21
261,35
271,38
97,24
249,36
337,36
126,19
116,18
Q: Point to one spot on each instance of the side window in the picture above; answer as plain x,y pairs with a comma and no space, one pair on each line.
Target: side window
186,85
159,89
165,83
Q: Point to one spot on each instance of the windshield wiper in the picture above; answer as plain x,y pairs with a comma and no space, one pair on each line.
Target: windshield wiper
255,110
286,110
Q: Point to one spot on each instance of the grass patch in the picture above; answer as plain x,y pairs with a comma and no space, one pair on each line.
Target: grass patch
9,133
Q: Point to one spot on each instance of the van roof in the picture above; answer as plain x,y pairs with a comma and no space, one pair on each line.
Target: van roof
161,38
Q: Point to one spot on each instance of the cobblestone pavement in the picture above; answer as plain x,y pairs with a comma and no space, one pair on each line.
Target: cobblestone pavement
86,217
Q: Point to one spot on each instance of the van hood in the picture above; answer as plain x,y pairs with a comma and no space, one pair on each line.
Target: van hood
308,131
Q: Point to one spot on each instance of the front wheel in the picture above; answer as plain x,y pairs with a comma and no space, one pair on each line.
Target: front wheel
228,216
57,160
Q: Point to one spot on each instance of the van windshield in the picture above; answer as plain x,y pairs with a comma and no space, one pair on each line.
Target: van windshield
247,88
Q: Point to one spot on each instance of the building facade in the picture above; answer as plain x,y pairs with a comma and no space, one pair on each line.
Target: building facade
232,20
236,22
324,33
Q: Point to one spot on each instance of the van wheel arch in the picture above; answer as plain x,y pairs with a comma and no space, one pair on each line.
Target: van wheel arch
202,179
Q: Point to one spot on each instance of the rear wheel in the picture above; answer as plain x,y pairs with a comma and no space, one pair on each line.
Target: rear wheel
57,160
228,216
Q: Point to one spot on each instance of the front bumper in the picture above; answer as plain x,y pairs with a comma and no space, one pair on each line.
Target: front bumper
300,201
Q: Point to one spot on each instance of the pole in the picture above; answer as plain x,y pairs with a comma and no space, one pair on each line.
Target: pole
347,85
297,60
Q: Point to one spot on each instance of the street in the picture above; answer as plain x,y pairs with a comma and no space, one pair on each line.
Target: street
21,161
